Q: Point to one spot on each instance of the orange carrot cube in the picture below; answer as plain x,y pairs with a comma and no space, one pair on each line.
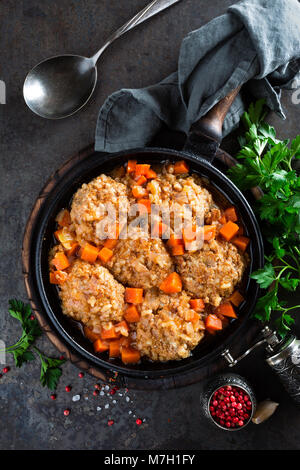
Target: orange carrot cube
132,315
229,230
105,254
60,261
89,253
134,295
171,284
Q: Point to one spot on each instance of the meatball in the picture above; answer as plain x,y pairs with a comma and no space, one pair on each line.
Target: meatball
91,295
184,195
212,272
165,332
91,204
140,261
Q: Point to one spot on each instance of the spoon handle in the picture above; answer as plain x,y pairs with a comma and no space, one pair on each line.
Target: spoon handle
150,10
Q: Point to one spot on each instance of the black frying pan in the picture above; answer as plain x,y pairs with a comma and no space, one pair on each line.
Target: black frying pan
202,144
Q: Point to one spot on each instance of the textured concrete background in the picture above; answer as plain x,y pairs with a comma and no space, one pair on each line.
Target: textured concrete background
31,149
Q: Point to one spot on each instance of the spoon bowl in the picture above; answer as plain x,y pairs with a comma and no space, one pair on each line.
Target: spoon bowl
60,86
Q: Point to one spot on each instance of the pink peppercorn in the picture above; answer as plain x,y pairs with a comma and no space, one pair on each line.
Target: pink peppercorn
229,407
81,375
138,421
53,396
66,412
5,370
68,388
110,422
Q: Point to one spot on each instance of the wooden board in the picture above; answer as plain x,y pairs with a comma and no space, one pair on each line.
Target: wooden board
249,331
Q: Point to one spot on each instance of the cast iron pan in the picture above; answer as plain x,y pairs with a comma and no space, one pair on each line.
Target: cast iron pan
38,239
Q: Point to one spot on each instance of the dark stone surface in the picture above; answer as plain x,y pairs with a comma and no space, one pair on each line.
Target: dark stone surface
31,149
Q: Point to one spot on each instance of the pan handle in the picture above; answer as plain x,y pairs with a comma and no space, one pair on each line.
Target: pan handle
205,135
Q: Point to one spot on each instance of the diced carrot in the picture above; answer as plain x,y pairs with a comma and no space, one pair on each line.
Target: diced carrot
110,243
110,333
191,316
105,254
197,304
151,174
114,348
132,315
209,232
241,242
142,169
229,230
90,334
89,253
236,298
52,278
226,309
60,261
174,241
178,250
131,166
133,295
144,205
181,167
195,318
171,284
122,328
58,277
159,228
213,323
223,220
141,180
63,218
230,214
189,233
72,251
139,192
100,346
130,355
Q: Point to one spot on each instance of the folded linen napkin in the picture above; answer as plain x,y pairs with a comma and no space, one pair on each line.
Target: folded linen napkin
256,41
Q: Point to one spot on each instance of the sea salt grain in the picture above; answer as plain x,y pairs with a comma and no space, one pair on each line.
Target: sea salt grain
106,387
76,398
127,399
106,406
99,408
114,402
102,393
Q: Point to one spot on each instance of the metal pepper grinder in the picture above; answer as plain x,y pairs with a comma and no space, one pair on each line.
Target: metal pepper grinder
283,355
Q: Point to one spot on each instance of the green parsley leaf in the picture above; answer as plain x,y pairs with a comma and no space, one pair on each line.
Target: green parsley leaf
266,161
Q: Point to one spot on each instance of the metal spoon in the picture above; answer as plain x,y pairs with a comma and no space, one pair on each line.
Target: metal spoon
59,86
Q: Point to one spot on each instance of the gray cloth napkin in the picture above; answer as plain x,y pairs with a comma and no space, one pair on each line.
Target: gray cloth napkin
256,41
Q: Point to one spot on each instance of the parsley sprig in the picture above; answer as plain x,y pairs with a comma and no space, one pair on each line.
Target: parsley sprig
22,350
267,162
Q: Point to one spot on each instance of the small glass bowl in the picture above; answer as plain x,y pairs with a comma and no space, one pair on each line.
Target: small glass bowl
222,381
